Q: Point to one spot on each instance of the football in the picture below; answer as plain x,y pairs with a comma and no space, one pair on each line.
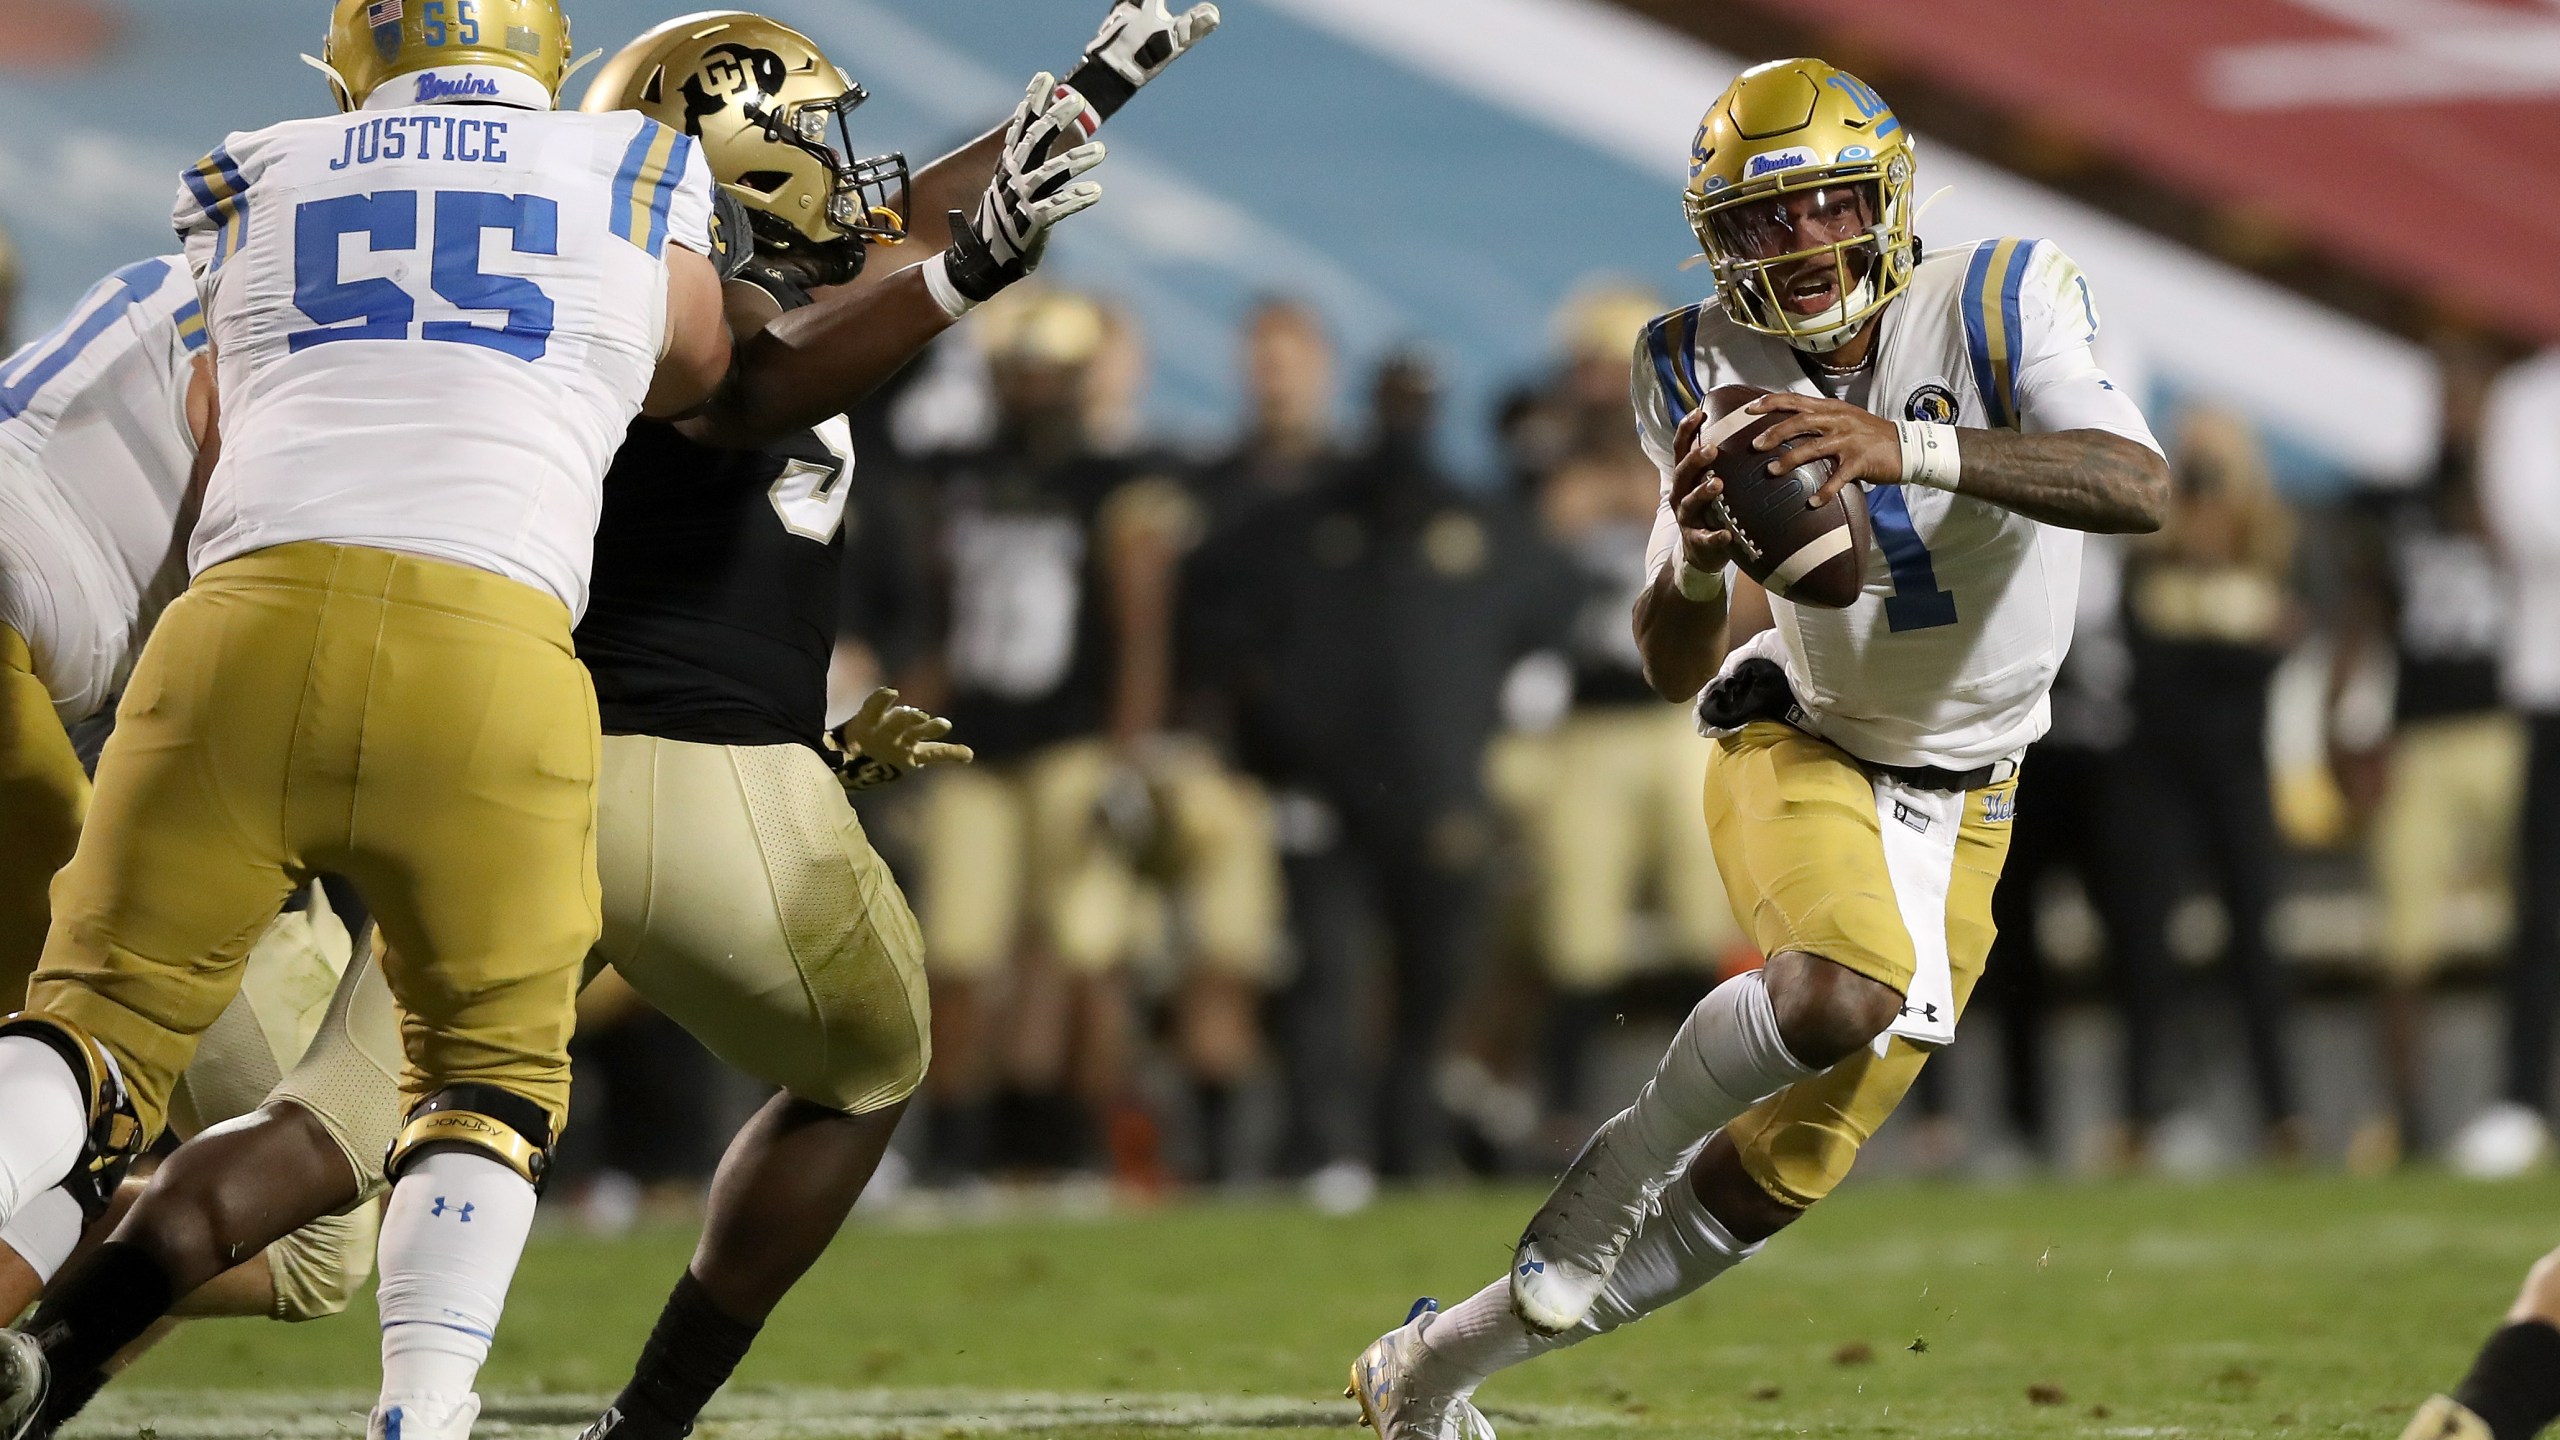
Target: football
1802,554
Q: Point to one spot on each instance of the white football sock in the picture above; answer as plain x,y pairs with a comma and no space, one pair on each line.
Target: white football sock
1679,1248
45,1231
451,1236
1727,1058
47,1110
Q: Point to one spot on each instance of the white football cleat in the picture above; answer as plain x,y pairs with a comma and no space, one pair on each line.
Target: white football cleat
1393,1405
24,1378
2501,1142
423,1417
1566,1256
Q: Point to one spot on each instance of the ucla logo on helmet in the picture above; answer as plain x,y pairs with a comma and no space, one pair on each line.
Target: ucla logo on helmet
1793,157
1932,402
1699,150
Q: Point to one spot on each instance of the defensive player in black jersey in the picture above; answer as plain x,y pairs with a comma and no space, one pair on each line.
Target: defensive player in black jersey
740,894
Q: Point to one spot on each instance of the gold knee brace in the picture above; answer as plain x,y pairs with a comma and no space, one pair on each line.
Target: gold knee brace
115,1130
508,1128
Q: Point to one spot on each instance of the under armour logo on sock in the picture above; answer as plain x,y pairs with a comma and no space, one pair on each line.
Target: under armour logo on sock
1533,1267
462,1211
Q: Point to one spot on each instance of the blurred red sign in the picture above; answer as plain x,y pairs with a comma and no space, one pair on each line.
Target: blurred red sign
2416,138
44,34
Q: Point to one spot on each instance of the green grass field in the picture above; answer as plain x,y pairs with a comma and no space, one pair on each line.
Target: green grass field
2310,1306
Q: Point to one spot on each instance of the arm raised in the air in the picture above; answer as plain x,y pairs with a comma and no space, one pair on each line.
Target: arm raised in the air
1138,40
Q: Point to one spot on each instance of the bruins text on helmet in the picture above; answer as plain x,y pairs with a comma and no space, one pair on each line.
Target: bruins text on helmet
1789,142
513,51
772,114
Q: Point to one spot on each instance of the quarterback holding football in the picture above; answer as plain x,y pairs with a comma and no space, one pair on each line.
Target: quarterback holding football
1862,771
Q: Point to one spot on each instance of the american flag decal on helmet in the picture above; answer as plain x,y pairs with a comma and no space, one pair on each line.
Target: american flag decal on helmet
384,17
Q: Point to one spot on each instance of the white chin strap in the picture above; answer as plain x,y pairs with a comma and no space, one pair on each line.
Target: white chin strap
1837,330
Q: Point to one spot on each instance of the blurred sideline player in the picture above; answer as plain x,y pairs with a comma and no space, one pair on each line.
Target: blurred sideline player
371,672
1627,827
710,619
100,421
1863,767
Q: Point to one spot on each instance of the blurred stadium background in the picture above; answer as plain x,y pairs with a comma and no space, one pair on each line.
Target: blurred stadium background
2321,235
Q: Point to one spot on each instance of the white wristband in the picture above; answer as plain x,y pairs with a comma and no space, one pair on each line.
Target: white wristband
937,278
1702,586
1929,454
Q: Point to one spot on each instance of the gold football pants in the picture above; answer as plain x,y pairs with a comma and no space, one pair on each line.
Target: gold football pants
43,795
1799,840
743,899
424,729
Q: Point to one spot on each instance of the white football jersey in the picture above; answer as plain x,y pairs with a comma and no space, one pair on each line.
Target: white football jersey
432,324
1946,658
95,452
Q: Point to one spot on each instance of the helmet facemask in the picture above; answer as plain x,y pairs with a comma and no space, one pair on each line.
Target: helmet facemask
1844,225
867,198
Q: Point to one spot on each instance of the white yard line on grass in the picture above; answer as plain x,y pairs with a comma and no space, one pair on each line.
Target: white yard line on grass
752,1415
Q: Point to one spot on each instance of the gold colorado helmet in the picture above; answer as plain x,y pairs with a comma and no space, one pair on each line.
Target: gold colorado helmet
1798,144
372,42
771,112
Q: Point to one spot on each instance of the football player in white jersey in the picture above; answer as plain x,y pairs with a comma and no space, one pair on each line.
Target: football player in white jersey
100,420
432,318
1862,768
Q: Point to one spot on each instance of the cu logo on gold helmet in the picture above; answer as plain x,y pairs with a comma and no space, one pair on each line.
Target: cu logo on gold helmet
728,71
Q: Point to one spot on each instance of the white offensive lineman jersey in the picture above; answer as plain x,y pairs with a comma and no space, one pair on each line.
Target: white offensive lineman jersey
432,325
95,452
1946,658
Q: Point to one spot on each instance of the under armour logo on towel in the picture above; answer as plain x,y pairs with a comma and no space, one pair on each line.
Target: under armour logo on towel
1928,1011
462,1212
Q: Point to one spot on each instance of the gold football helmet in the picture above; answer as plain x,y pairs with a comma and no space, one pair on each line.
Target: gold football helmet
372,41
1792,149
771,111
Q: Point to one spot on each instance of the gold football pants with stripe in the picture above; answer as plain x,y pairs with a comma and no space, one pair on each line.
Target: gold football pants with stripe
1799,840
742,898
424,729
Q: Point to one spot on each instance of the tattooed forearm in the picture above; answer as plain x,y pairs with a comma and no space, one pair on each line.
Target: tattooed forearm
2081,479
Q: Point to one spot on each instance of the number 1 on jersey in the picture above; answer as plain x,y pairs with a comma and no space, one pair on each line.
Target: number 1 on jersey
1916,602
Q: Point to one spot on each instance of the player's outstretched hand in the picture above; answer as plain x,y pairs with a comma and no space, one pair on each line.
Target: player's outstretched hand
1706,530
885,740
1859,444
1032,190
1140,38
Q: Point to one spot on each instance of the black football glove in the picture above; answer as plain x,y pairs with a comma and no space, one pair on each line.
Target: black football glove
1032,191
733,236
1138,40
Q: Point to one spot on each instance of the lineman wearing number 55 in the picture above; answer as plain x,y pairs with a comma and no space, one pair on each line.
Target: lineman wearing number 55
738,890
1863,766
432,319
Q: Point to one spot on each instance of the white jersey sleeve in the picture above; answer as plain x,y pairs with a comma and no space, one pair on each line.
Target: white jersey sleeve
2060,385
433,325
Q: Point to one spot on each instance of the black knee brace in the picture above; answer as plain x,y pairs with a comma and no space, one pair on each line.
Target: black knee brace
507,1127
115,1128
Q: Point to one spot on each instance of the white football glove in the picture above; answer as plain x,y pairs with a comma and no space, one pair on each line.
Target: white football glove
1138,40
885,740
1032,191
